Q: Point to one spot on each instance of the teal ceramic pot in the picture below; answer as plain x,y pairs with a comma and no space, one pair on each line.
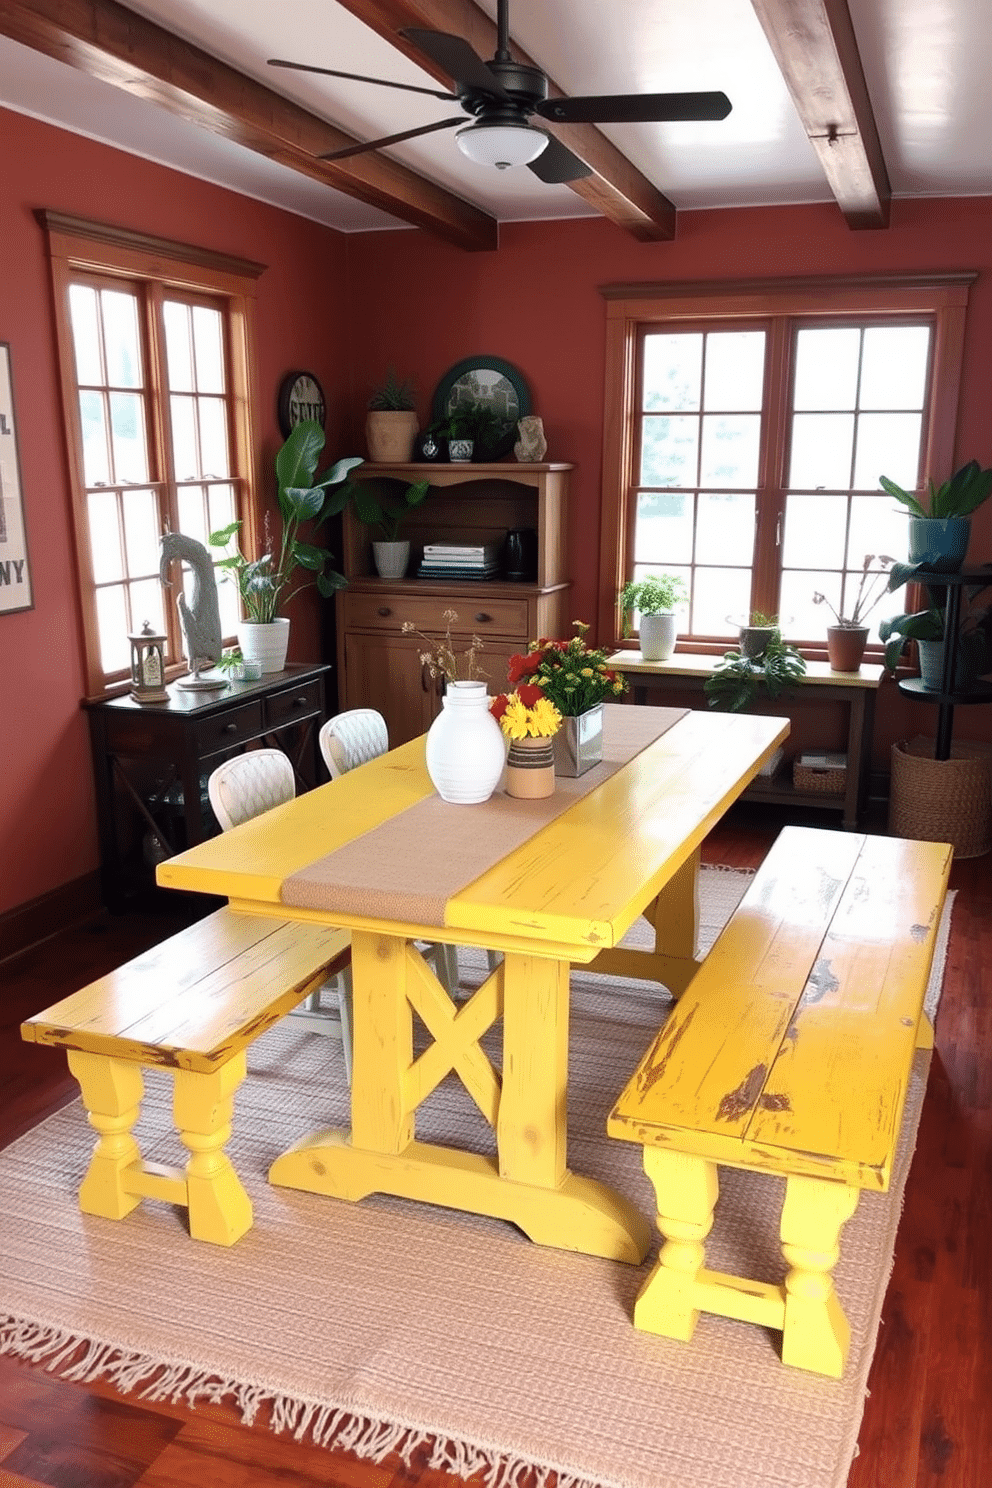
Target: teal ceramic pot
939,542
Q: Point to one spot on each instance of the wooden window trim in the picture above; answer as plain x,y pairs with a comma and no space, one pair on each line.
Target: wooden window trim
631,308
77,245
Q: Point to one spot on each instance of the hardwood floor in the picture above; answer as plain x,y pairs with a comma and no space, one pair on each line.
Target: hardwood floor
928,1418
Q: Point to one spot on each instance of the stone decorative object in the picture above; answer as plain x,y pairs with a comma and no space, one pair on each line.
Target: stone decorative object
203,639
531,446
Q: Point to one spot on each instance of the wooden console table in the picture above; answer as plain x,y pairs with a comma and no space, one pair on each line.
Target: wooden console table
151,760
687,673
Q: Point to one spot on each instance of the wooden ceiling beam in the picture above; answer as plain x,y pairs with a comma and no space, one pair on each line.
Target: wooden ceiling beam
616,188
120,47
816,48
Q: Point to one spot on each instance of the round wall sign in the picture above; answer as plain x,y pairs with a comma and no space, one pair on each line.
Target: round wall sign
300,397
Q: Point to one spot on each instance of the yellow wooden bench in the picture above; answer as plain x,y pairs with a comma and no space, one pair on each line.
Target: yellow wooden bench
191,1005
790,1053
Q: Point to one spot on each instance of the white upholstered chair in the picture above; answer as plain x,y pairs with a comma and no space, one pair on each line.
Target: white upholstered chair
353,738
240,789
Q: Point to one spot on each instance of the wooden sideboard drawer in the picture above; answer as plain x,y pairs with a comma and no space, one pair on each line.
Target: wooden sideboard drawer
293,702
481,613
234,726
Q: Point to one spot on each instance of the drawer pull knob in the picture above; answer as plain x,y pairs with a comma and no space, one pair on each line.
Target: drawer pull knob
384,610
482,617
299,702
229,728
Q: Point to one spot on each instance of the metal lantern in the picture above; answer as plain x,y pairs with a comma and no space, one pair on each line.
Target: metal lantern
148,666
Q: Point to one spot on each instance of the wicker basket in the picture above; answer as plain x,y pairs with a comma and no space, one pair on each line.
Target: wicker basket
942,800
828,780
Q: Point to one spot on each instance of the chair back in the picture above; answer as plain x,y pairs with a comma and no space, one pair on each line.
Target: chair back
249,784
351,739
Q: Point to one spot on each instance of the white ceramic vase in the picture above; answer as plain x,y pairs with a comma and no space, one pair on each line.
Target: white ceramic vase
465,747
657,635
391,559
265,642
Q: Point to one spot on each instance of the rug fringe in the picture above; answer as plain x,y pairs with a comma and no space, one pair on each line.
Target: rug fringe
82,1360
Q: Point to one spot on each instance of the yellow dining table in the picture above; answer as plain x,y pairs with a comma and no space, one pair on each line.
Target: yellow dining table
568,893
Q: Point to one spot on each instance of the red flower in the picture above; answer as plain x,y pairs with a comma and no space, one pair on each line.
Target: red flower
521,666
498,706
528,693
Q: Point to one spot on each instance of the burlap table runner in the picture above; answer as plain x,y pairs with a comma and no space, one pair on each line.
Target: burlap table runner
408,868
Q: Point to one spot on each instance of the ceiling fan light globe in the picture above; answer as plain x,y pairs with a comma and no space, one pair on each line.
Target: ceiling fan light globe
501,145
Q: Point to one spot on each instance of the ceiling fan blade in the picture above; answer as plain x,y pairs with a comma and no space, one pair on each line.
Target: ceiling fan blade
556,165
457,58
358,77
392,139
636,108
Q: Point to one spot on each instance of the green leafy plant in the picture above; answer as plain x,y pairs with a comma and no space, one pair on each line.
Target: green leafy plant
974,642
573,675
268,583
738,679
375,508
480,423
393,395
966,490
655,594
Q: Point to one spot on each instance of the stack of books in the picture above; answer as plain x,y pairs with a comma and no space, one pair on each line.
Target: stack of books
460,561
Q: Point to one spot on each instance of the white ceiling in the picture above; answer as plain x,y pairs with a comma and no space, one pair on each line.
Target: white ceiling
925,62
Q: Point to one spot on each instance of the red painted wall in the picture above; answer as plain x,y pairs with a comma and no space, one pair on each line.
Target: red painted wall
421,306
47,819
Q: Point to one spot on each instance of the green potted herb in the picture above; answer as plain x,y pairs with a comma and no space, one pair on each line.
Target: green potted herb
391,423
656,599
373,506
740,678
267,584
939,532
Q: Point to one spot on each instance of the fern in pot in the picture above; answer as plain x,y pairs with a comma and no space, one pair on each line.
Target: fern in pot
656,599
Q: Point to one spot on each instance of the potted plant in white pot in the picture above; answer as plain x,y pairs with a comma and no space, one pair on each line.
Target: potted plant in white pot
391,423
938,536
385,513
267,584
848,636
656,598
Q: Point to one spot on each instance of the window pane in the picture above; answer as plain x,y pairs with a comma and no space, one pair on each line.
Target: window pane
815,531
668,451
120,332
112,621
664,528
178,353
730,449
85,333
105,536
127,416
888,444
672,370
725,528
192,513
222,508
184,448
721,599
213,437
821,451
96,457
827,369
801,619
735,370
894,366
878,526
209,350
227,600
147,597
141,532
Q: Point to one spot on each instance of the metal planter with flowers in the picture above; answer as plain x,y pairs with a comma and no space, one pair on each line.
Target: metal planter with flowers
576,678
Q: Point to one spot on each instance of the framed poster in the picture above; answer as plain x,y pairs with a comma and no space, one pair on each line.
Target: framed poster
15,574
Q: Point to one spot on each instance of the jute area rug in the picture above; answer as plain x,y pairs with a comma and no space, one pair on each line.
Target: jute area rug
380,1325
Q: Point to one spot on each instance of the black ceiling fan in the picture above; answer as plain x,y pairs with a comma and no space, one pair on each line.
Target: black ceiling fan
502,96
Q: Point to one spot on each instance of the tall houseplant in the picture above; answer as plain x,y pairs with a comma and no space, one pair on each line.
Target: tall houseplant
267,584
939,532
385,514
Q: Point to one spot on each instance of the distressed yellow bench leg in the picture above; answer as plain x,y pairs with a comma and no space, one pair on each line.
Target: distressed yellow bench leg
112,1090
817,1334
203,1105
686,1189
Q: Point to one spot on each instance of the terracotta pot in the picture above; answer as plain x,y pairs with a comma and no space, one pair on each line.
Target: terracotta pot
846,647
530,769
390,434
